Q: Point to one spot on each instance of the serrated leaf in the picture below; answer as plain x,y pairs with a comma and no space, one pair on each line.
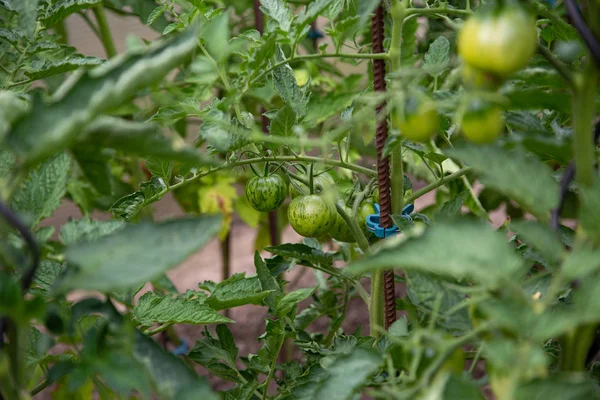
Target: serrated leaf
267,282
157,12
237,291
136,254
302,252
290,300
12,36
282,123
61,9
541,238
437,57
86,230
56,125
409,41
210,351
313,10
180,309
462,248
347,374
45,69
173,379
150,191
279,11
521,177
27,15
161,168
287,86
43,191
452,207
45,276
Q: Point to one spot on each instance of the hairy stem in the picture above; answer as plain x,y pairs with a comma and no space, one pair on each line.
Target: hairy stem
432,186
104,31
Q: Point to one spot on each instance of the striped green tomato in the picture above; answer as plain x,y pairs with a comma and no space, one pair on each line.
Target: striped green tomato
340,231
321,182
312,216
266,193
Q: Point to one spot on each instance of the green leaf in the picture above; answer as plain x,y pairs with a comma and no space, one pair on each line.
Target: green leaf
462,248
581,263
287,86
521,177
27,12
162,169
45,276
11,36
12,107
267,282
313,10
157,12
43,191
541,238
303,253
409,41
237,291
61,9
56,125
290,300
87,230
180,309
137,253
574,387
452,207
437,57
172,378
150,191
210,351
399,328
347,374
218,34
366,8
589,216
96,167
279,11
282,123
428,293
45,69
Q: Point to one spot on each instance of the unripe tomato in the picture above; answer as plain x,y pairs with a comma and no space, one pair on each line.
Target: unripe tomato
302,76
321,182
500,39
312,215
420,120
482,122
366,209
266,193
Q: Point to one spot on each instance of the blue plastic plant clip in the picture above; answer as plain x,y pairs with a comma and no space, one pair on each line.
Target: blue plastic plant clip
182,349
381,232
315,34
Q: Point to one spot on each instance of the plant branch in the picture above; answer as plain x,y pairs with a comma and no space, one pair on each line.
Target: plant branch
432,186
159,329
561,68
410,12
105,35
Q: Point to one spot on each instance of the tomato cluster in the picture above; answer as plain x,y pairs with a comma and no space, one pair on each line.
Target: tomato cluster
311,213
495,43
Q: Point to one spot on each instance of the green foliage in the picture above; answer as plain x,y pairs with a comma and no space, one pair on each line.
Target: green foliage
508,309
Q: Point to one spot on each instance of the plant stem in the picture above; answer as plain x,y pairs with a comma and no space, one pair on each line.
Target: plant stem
104,31
561,68
358,234
437,10
437,184
159,329
376,312
272,368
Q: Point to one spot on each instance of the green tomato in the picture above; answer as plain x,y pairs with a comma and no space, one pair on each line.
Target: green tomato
312,215
482,122
500,39
321,183
420,120
366,209
266,193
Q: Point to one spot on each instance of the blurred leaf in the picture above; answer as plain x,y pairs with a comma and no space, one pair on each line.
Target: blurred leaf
45,276
302,252
54,126
157,12
86,230
42,192
347,374
129,206
409,40
462,248
581,263
45,69
173,379
282,122
437,57
136,254
523,178
399,328
452,207
237,291
27,15
312,11
160,168
95,166
541,238
61,9
180,309
559,388
217,41
365,9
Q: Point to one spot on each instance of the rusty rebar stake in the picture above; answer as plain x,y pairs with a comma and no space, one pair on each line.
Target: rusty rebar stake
383,163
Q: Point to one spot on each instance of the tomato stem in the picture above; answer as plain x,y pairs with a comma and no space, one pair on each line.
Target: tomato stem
105,35
311,183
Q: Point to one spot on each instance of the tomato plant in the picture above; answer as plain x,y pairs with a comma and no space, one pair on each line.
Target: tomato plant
120,164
